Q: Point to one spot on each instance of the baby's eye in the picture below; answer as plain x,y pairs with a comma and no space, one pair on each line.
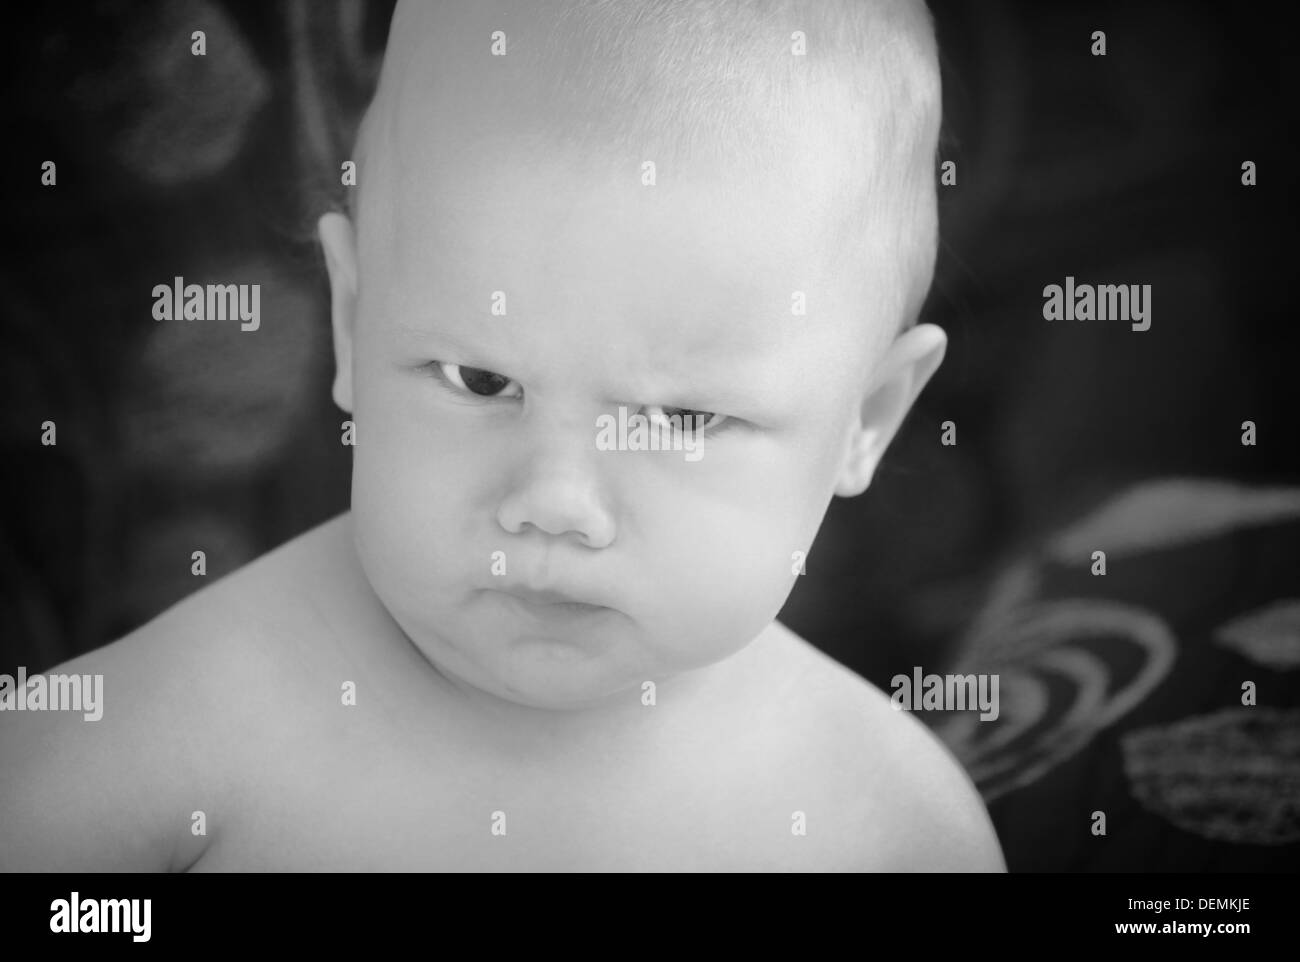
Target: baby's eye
478,381
688,418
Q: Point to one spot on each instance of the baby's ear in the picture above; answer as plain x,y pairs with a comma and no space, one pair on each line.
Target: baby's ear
906,367
338,239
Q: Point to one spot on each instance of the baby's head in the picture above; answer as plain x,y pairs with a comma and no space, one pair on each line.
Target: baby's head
517,270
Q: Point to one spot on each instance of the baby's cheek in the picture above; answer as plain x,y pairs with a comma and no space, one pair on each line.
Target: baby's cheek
406,517
722,588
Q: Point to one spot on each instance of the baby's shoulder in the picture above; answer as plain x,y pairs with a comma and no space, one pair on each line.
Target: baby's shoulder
893,796
121,791
184,701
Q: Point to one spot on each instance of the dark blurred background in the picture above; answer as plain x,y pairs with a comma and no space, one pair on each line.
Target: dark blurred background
1120,694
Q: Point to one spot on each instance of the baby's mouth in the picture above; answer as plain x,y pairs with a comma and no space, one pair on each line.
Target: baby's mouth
548,603
542,596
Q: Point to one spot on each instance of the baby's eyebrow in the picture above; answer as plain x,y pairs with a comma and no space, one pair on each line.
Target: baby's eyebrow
738,383
409,332
424,336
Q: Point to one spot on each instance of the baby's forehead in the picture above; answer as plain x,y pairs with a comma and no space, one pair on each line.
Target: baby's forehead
562,224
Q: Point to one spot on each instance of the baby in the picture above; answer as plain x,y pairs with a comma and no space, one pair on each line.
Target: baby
522,649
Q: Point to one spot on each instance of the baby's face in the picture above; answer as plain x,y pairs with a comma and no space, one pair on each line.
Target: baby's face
480,495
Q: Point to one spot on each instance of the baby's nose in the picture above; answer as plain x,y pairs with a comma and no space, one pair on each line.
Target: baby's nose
558,492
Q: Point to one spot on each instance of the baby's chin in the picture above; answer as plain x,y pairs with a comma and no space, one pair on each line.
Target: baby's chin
556,672
537,671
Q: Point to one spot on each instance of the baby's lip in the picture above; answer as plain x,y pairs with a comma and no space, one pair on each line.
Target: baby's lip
546,596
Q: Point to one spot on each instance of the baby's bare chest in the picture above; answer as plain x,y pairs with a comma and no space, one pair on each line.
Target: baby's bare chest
361,806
